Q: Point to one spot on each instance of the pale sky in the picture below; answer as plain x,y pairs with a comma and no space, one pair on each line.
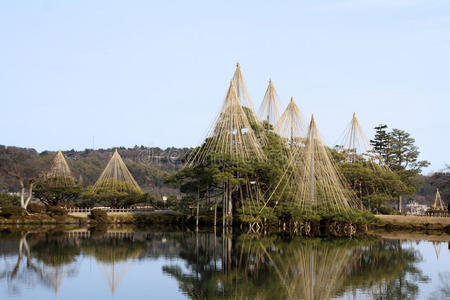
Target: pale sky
155,73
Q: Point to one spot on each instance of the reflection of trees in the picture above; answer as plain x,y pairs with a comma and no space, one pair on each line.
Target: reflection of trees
270,268
56,255
203,254
229,266
22,272
47,261
387,269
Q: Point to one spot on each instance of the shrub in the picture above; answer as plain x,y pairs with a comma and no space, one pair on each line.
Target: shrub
387,211
36,208
13,211
8,200
56,211
99,215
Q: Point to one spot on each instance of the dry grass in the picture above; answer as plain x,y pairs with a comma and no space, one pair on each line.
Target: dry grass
413,220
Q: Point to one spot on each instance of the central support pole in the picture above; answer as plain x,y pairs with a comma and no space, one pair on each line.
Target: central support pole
230,203
312,175
292,132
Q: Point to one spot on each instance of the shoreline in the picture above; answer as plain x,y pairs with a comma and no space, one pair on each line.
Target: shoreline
388,223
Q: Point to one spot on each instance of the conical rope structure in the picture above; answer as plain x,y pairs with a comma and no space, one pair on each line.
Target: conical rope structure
247,104
291,125
116,177
356,146
313,180
438,204
241,90
231,135
60,172
269,110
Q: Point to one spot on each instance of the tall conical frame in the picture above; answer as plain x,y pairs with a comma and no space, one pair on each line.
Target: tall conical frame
269,111
231,135
116,177
313,179
291,125
355,144
59,172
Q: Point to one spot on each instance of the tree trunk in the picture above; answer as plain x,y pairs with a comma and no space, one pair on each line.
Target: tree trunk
24,203
196,219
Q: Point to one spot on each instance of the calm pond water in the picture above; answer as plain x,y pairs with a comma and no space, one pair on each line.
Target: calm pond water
120,264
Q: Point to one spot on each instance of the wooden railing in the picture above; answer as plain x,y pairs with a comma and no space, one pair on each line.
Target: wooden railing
108,209
437,214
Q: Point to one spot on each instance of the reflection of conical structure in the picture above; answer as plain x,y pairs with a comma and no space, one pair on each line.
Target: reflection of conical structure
356,146
313,179
60,170
437,249
114,272
270,106
231,134
438,204
116,177
57,258
291,124
115,259
114,255
55,275
311,272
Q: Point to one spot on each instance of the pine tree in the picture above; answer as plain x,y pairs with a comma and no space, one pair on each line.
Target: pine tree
380,142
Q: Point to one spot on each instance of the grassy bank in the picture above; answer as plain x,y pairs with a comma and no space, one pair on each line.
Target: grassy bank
385,222
396,222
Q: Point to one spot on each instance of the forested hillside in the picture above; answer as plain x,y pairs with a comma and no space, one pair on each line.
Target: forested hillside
149,166
428,185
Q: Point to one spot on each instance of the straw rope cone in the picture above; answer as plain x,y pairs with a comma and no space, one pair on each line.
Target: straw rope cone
116,177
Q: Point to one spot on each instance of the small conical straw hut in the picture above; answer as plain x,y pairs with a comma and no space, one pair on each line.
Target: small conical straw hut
270,106
116,177
291,125
230,135
438,204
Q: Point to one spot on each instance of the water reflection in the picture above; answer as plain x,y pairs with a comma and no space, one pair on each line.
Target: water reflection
206,265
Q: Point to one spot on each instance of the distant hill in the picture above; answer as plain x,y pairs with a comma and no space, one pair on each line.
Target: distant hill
427,191
149,166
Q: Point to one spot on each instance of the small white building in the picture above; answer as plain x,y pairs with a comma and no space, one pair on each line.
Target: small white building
415,209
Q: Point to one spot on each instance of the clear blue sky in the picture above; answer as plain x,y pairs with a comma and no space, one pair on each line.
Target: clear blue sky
155,73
